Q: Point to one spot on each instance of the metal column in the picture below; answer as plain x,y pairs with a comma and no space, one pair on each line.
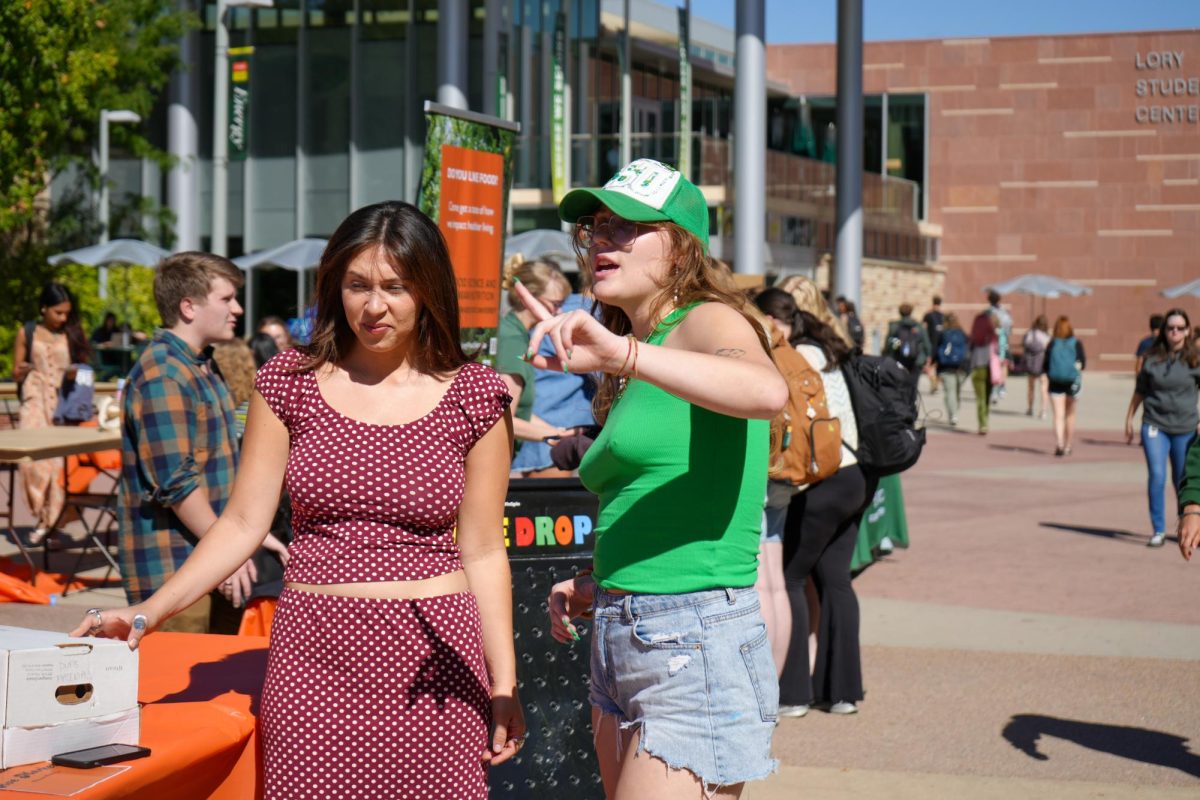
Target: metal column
750,137
626,93
183,184
452,53
220,152
847,279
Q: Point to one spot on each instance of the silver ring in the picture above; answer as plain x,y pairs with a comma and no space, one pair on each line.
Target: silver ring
99,623
139,622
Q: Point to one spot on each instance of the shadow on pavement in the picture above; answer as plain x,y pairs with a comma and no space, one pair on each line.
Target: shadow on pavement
1014,448
1109,442
1104,533
1137,744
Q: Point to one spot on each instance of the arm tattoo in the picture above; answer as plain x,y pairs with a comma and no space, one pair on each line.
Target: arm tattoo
731,352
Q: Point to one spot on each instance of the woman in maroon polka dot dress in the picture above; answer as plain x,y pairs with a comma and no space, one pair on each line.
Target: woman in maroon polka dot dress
392,671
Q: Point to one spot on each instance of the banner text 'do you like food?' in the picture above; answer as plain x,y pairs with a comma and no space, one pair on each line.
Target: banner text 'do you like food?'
470,216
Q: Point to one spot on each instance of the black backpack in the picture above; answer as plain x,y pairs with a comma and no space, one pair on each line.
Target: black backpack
885,407
905,345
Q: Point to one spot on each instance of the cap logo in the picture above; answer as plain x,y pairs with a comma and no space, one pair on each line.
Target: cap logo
646,181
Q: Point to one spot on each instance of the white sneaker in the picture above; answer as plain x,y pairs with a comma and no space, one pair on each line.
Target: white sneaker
793,711
843,707
1156,540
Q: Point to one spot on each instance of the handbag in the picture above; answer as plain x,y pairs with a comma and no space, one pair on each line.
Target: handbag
75,397
995,368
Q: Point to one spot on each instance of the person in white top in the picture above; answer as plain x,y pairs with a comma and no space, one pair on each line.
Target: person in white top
820,533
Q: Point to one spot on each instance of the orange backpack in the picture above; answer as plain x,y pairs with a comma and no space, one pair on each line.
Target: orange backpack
808,437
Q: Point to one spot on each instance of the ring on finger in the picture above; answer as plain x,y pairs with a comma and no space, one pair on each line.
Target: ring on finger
99,623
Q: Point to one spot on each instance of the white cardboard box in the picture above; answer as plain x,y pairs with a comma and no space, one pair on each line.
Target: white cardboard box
59,694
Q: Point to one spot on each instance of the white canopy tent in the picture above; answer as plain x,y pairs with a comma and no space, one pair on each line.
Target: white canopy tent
299,255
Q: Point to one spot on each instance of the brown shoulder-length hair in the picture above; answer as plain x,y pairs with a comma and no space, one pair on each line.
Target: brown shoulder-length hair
414,247
1161,350
694,278
1063,329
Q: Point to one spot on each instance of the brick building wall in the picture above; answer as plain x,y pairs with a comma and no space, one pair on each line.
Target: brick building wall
1073,156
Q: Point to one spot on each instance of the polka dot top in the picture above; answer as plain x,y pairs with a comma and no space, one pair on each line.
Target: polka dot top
376,502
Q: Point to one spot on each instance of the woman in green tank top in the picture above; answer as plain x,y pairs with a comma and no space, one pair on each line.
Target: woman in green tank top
682,673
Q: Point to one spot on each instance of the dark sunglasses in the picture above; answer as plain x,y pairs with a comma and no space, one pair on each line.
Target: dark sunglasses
614,230
1180,328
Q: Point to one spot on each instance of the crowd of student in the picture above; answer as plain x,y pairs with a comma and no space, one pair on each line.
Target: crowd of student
392,668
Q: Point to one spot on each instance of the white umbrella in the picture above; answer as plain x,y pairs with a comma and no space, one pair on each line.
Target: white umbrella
1039,286
1189,289
542,243
117,251
299,255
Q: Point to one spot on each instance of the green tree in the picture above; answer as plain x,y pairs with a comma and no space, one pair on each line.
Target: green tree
61,62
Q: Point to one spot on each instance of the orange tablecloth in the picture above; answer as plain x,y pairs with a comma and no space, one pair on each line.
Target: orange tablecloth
201,694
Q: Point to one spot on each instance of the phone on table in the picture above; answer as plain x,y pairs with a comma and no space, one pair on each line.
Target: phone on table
99,756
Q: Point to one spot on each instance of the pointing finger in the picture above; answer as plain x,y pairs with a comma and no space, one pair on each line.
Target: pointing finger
532,303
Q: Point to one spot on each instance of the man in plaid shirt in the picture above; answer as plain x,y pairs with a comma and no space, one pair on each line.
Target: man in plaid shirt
179,450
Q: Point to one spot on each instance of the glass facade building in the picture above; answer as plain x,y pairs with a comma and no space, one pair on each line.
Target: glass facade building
335,121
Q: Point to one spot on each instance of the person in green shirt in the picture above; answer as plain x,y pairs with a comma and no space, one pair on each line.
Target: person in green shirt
546,283
683,689
1188,528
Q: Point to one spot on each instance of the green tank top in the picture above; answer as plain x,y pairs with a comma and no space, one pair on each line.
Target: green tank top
681,491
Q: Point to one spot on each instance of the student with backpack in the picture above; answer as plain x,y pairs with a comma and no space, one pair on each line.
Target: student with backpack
985,345
951,355
820,528
935,323
1065,362
908,343
1037,339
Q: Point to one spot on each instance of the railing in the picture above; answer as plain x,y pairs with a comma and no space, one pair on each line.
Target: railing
594,158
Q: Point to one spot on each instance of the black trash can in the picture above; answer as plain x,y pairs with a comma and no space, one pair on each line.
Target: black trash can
548,531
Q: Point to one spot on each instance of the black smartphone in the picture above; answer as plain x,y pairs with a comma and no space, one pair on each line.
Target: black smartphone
99,756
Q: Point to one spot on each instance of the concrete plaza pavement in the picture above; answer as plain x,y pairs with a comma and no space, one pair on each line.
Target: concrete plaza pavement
1026,645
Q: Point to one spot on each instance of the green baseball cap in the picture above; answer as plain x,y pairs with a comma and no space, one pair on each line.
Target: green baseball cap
644,191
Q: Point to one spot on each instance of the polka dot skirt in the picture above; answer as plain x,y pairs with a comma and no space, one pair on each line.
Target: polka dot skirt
375,698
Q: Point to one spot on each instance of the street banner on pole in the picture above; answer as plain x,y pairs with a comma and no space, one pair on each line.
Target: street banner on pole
239,102
685,96
558,114
464,188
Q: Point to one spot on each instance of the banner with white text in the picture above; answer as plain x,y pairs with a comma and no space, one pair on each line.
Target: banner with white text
464,188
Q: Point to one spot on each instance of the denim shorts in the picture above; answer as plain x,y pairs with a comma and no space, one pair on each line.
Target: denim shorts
694,672
773,524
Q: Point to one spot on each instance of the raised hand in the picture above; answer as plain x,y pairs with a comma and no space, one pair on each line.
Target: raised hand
581,343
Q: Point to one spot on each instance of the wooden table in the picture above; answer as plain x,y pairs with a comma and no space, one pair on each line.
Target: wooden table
8,389
23,446
201,695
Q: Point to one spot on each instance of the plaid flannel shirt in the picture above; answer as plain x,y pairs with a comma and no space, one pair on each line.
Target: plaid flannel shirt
178,436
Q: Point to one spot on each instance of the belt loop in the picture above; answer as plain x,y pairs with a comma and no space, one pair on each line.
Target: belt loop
732,597
627,608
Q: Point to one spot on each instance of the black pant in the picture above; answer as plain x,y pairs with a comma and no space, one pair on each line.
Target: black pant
819,538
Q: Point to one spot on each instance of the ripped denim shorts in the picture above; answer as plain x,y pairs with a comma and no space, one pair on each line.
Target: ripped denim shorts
694,672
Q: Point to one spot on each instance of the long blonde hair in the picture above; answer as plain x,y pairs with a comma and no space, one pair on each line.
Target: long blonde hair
693,278
809,298
537,276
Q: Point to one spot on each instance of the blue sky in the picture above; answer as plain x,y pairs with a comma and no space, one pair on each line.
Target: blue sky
816,20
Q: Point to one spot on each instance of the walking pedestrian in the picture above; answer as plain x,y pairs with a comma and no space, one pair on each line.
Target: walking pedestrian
46,353
678,644
392,670
1168,390
1004,325
908,343
984,356
1065,362
952,356
820,534
935,323
1156,323
1033,355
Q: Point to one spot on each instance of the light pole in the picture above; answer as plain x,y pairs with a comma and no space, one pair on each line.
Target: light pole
220,156
107,116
